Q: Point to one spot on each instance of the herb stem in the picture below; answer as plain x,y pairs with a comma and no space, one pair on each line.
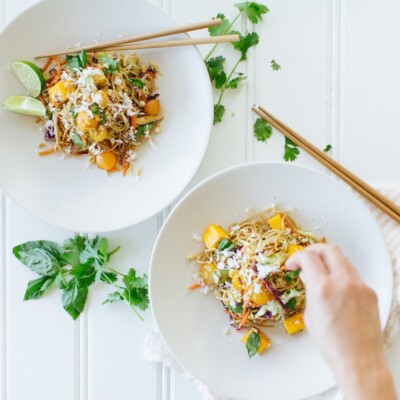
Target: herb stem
224,86
222,33
113,251
113,270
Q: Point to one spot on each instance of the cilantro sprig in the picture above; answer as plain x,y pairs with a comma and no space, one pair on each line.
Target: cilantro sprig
262,130
76,265
76,62
253,343
275,66
222,80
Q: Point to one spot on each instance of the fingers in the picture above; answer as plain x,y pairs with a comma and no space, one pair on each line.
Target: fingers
334,260
311,264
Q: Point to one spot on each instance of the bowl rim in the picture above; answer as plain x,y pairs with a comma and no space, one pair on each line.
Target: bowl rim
208,103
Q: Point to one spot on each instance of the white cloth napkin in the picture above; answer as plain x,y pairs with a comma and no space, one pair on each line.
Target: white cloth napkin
155,349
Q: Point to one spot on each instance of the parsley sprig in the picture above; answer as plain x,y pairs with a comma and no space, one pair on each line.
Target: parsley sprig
73,267
222,80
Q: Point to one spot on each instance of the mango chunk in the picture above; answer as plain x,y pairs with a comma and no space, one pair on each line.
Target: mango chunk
264,340
275,222
207,273
293,248
213,235
236,281
59,93
294,323
262,297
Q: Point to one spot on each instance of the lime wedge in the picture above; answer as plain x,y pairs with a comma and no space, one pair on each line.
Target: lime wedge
30,75
25,105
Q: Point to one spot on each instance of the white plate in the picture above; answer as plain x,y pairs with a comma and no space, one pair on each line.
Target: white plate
63,192
192,324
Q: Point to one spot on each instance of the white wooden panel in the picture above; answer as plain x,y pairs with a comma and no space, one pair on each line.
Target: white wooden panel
298,36
116,368
40,335
370,90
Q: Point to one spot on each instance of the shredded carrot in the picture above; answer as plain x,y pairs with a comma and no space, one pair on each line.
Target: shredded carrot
134,122
244,319
47,151
323,240
194,286
41,98
48,62
115,169
125,168
56,77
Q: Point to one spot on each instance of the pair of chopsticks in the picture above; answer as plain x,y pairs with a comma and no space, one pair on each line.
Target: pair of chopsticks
130,43
371,194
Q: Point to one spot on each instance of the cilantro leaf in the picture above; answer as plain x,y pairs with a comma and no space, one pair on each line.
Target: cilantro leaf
290,275
219,111
220,80
253,11
238,309
73,248
142,129
262,130
137,82
233,83
96,110
275,66
291,150
291,304
111,65
225,244
327,148
37,287
74,297
95,251
245,42
215,67
219,29
76,62
253,343
137,289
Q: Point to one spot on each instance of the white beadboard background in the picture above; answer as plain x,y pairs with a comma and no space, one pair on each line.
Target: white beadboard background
339,84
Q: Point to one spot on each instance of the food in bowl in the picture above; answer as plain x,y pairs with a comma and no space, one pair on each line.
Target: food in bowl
244,266
99,104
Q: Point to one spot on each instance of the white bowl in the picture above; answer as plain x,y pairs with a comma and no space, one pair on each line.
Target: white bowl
193,324
63,192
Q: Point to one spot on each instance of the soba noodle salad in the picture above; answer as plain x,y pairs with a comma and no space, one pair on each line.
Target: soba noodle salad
100,104
244,266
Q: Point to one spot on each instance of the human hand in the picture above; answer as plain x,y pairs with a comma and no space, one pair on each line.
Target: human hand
342,317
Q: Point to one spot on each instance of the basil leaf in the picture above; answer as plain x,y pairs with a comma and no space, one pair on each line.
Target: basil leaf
37,287
84,273
137,82
253,344
74,298
238,309
60,281
41,256
225,244
111,65
291,304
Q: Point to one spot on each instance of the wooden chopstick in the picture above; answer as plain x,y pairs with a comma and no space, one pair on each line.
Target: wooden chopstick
174,43
131,39
371,194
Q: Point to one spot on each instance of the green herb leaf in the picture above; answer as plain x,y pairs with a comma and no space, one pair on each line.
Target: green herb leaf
215,68
74,298
220,80
137,289
37,287
253,344
73,248
291,150
113,297
223,275
262,130
142,129
234,83
41,256
137,82
111,65
238,309
275,66
253,11
96,110
108,277
245,42
96,251
73,113
77,139
84,273
225,244
219,111
219,29
291,304
76,62
327,148
60,280
290,275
